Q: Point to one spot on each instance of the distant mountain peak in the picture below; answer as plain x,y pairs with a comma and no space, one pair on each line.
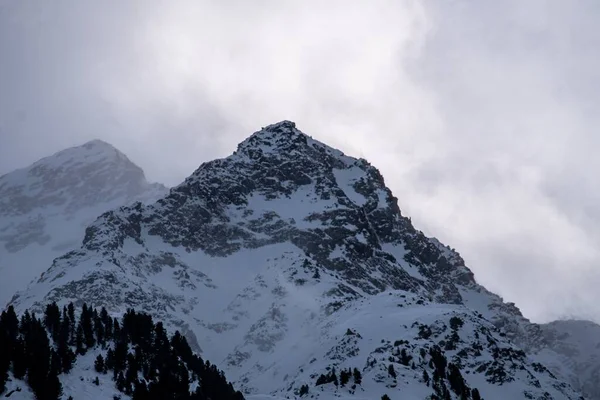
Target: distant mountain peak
98,146
97,143
96,166
73,179
92,151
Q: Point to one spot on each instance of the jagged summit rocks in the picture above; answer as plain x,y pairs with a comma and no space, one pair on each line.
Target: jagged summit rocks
270,255
282,136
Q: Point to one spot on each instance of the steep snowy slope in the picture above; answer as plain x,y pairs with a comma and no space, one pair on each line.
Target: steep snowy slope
270,255
45,207
578,346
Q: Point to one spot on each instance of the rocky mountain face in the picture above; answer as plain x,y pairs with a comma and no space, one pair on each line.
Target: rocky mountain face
45,207
289,260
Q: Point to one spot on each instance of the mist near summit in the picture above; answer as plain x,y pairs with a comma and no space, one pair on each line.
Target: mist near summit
481,115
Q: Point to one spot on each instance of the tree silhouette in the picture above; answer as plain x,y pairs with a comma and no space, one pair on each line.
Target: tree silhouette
357,376
99,364
392,371
39,350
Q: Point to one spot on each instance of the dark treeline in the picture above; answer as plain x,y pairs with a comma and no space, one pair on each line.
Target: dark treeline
144,362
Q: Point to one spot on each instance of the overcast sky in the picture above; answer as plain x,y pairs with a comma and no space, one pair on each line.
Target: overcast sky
481,115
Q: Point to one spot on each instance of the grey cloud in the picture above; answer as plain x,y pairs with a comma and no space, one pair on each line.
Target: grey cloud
481,115
511,175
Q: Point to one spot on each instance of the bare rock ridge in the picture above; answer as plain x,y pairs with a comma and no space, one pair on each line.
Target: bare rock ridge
270,256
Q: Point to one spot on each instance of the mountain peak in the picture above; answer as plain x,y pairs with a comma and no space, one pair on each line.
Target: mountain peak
97,144
281,126
279,137
284,141
76,177
90,152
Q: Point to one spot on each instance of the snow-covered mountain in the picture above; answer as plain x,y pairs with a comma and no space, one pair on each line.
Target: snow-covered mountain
45,207
289,259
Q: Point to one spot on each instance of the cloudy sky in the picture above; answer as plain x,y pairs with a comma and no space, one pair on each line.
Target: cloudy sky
480,114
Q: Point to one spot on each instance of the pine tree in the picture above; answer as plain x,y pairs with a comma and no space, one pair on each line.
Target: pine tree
99,329
55,362
79,340
446,393
116,330
392,371
426,377
52,319
334,377
19,359
53,387
99,364
357,376
438,360
10,321
184,379
107,322
404,357
121,382
385,397
120,356
303,391
457,383
4,356
181,347
345,376
475,394
25,323
67,355
161,342
141,391
132,370
9,326
87,326
322,380
38,355
109,363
